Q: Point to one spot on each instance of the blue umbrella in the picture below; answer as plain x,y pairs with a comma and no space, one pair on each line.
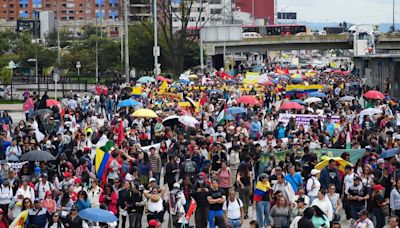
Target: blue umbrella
184,81
146,79
316,94
214,91
296,80
390,153
229,117
128,103
235,110
97,215
298,101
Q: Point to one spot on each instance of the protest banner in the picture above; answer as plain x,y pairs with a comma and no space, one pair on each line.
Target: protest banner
304,119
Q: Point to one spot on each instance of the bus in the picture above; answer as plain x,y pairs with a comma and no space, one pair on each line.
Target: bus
275,30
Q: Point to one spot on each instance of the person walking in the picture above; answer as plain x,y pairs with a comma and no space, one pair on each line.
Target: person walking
313,185
280,214
216,199
233,210
395,199
262,200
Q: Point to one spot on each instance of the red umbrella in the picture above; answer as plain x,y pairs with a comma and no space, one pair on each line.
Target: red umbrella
268,83
374,94
291,105
51,102
247,99
161,78
337,72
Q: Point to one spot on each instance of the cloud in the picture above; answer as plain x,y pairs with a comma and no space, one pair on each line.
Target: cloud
355,11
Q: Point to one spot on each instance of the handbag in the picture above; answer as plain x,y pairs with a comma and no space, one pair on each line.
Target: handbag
385,210
336,217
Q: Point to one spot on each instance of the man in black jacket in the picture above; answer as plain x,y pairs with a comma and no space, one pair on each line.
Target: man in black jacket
199,193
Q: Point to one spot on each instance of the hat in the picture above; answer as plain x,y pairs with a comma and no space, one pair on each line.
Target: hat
315,172
262,176
348,167
381,161
77,181
301,200
378,187
368,148
37,200
177,185
44,175
152,179
357,177
67,174
48,193
202,175
154,223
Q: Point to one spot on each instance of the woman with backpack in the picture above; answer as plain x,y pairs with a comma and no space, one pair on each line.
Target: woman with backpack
224,177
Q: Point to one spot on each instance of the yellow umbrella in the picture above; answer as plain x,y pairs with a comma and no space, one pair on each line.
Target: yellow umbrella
193,76
145,113
325,162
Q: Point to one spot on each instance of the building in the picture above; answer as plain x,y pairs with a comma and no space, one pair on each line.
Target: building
139,10
64,9
204,13
379,67
261,9
286,18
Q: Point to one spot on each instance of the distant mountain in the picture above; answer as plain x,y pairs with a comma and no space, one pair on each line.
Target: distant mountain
383,27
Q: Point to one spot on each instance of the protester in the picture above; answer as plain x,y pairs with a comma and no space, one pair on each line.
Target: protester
233,210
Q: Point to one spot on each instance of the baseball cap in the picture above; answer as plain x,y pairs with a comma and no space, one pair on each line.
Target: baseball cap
152,179
378,187
154,223
363,212
67,174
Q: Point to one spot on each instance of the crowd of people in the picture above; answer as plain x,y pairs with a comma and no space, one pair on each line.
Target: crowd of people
229,168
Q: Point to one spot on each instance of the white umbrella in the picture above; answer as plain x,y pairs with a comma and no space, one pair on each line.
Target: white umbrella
369,112
347,98
312,100
170,118
188,121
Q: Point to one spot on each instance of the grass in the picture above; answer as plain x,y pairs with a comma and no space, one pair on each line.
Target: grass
11,101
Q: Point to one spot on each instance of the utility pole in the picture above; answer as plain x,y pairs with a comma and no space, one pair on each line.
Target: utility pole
58,44
126,41
97,54
156,49
394,26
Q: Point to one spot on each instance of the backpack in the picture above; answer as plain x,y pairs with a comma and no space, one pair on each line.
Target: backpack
189,167
227,203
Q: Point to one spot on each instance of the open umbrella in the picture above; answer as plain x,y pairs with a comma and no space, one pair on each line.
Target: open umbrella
40,112
191,101
291,105
312,100
146,79
267,83
188,121
128,103
296,80
193,77
145,113
247,99
97,215
316,94
52,102
170,120
346,98
229,117
298,101
370,112
235,110
389,153
127,90
38,155
374,94
339,161
162,78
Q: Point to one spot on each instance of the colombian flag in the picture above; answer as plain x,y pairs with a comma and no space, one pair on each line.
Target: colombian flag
101,162
261,190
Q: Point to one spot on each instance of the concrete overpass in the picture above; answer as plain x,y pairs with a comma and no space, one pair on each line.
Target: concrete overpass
303,42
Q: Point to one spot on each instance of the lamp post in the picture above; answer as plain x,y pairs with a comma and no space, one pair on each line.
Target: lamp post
56,77
78,67
156,48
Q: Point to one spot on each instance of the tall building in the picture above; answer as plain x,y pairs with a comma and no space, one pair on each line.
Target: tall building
204,12
64,9
139,10
260,10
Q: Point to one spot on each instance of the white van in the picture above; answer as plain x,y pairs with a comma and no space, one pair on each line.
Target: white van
251,35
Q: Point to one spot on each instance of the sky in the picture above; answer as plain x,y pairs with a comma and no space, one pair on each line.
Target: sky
355,11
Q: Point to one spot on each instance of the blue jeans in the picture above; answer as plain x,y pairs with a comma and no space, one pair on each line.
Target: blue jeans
234,223
211,217
262,212
355,209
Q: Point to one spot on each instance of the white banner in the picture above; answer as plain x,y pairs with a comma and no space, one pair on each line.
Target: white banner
303,119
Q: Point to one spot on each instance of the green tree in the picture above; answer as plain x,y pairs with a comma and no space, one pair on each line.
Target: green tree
6,76
52,41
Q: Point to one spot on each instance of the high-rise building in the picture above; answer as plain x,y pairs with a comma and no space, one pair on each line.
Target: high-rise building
258,9
64,9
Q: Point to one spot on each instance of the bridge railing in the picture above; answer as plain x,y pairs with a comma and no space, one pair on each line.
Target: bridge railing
339,37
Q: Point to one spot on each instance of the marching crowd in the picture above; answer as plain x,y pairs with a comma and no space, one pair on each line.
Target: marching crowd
217,167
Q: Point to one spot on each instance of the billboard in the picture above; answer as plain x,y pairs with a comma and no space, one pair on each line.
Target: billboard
32,26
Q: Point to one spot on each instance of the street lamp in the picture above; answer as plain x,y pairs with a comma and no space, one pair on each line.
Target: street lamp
56,78
78,67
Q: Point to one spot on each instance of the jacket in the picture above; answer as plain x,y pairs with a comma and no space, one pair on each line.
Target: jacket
37,217
326,179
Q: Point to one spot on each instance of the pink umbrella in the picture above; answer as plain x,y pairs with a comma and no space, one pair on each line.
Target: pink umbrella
374,94
161,78
247,99
52,102
291,105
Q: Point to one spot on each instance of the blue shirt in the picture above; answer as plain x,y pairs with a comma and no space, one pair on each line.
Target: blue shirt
295,181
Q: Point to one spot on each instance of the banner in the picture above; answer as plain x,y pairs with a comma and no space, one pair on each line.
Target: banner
304,119
251,78
305,88
355,154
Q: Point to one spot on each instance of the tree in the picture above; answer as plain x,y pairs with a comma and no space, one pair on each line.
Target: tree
6,76
52,40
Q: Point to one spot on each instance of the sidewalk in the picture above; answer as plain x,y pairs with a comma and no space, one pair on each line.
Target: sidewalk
11,107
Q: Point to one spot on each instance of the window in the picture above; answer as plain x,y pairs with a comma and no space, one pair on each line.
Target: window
216,11
215,1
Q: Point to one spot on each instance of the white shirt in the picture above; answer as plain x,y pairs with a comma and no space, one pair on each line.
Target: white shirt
348,181
325,205
155,206
233,210
27,193
41,188
310,190
364,224
6,194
